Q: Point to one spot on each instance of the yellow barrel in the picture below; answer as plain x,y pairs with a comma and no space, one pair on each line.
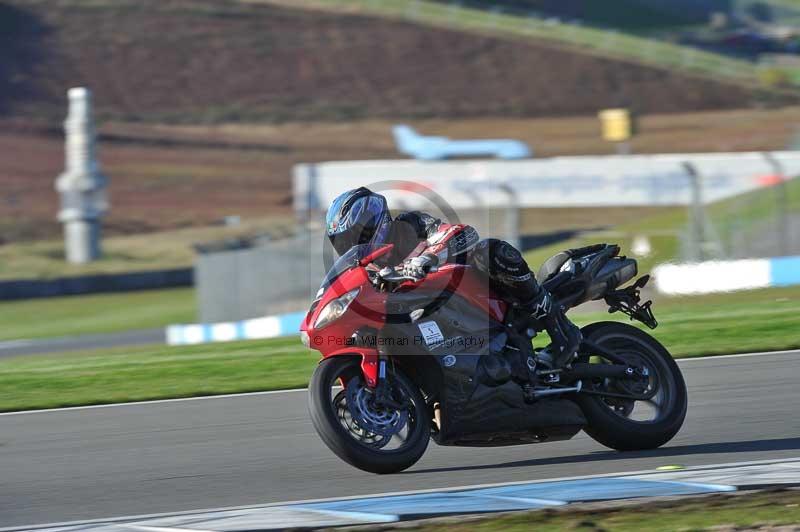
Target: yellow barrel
616,124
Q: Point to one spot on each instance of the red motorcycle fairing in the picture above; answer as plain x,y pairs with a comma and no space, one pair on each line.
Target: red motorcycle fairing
462,279
369,361
367,312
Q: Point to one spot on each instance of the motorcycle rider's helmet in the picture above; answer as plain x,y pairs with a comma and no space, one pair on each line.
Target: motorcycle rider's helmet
358,216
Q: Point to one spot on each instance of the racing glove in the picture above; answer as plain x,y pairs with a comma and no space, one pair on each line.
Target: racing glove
418,267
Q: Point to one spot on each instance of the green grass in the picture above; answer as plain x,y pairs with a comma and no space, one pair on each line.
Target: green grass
50,317
746,214
593,40
44,259
759,320
717,512
727,323
156,372
103,313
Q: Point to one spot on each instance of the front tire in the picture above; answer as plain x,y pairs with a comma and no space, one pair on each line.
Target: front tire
340,430
612,421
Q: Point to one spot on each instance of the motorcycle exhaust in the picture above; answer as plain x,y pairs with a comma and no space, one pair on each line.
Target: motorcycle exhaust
558,391
601,371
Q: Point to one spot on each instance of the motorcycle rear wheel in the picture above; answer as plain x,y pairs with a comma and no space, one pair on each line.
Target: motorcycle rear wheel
611,421
340,430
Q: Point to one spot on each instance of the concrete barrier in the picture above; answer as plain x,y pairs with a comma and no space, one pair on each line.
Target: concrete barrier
597,181
726,276
254,329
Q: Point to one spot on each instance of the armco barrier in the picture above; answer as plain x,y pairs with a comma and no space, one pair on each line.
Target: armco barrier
726,276
254,329
92,284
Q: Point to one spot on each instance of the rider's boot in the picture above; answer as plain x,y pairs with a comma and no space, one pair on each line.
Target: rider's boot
510,275
566,336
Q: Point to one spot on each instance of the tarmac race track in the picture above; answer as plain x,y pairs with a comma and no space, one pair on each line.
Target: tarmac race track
231,451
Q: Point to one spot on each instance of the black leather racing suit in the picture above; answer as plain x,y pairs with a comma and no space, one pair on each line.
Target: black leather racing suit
414,233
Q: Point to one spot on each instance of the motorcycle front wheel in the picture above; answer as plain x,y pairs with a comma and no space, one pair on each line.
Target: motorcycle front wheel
628,425
365,432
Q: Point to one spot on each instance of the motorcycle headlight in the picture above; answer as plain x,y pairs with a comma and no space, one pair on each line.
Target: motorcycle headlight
334,310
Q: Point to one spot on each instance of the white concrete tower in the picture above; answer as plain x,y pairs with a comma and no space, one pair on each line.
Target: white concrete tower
82,186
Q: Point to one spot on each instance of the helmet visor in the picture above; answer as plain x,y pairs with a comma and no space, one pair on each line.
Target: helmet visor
360,234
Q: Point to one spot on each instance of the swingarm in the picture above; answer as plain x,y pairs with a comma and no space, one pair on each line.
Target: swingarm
583,373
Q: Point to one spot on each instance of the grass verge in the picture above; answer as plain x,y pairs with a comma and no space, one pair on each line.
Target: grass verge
760,510
44,259
728,323
749,216
593,40
154,372
92,314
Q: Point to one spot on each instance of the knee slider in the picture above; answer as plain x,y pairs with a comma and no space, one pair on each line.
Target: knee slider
508,260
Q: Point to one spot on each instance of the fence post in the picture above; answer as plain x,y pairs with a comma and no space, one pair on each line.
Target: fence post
512,216
704,241
696,215
781,203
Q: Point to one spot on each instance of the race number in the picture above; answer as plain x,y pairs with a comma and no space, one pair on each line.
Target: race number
431,333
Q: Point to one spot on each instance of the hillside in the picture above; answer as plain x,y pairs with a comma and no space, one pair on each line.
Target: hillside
635,15
210,61
167,177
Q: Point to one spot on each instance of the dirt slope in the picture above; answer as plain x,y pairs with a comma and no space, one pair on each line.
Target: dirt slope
207,60
163,177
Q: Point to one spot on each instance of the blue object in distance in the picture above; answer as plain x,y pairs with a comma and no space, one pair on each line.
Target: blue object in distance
411,143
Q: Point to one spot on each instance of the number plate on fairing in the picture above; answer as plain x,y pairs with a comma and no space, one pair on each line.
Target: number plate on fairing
431,333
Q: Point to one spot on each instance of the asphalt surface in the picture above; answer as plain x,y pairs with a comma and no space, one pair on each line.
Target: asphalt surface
84,342
210,453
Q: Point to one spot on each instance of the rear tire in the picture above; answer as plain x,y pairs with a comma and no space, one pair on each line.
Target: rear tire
328,425
613,429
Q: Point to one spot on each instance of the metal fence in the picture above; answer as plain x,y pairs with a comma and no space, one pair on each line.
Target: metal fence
272,277
268,278
765,223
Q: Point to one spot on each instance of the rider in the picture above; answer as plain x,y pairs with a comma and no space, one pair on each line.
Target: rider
421,242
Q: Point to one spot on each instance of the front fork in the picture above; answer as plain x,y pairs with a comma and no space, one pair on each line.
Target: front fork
383,390
372,368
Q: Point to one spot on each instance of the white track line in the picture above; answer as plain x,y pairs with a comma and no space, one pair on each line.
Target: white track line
153,402
10,344
295,390
624,474
739,355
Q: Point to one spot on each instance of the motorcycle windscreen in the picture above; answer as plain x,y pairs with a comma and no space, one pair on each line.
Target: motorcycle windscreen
347,261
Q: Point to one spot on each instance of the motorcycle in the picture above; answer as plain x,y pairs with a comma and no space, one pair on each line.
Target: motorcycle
406,361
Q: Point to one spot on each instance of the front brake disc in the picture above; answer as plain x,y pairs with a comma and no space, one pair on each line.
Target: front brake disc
352,426
377,420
